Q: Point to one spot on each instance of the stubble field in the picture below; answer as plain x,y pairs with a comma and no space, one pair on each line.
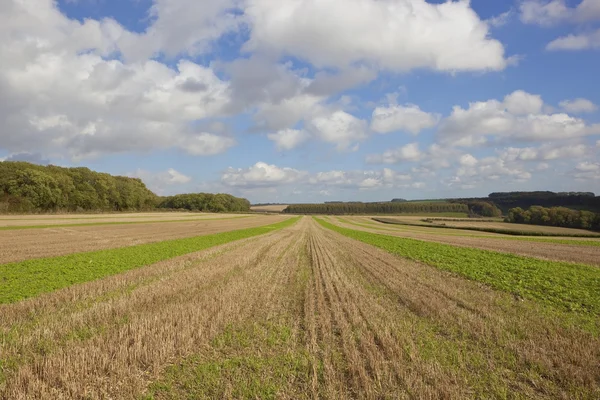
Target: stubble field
292,308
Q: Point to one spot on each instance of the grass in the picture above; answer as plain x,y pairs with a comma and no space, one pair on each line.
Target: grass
257,361
514,232
25,279
19,227
560,285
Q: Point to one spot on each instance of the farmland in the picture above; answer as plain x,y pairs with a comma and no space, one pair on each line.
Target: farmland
274,306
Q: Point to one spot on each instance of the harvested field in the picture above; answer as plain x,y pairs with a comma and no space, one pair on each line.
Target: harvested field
17,245
495,225
301,312
35,220
532,248
270,208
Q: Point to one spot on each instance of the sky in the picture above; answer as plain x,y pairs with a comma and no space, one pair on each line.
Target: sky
307,100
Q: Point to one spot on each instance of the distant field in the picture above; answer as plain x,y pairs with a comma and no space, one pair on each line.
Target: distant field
499,226
68,219
277,306
271,208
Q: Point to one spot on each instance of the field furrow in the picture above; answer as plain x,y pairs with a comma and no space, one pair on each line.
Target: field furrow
18,245
303,312
534,248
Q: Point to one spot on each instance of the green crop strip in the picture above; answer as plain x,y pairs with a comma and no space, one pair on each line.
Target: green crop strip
12,228
560,285
398,228
25,279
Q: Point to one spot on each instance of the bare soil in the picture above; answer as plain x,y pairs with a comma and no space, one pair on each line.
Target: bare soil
461,223
38,220
272,208
18,245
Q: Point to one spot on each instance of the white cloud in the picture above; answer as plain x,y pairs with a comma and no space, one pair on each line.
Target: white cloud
585,171
523,103
160,182
340,128
501,19
60,91
271,177
518,117
288,139
545,152
408,153
590,40
550,12
578,106
468,160
181,27
407,118
206,144
397,35
491,168
261,175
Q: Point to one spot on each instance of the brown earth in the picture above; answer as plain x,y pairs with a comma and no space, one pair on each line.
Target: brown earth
458,223
548,251
18,245
299,313
37,220
271,208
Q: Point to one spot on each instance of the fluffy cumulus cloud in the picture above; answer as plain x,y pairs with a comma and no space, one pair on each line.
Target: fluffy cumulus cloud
406,153
272,178
396,35
164,182
550,12
578,106
519,116
288,139
546,152
181,27
340,128
582,41
60,90
261,175
474,172
409,118
586,171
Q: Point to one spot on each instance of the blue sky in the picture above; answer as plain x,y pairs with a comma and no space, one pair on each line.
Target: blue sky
294,101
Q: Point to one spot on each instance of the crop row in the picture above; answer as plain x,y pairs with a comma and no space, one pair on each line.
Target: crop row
20,227
29,278
560,285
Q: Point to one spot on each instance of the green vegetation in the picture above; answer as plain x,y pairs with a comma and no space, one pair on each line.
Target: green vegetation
432,229
205,202
555,216
507,200
29,278
20,227
256,361
26,188
508,231
483,209
559,285
378,208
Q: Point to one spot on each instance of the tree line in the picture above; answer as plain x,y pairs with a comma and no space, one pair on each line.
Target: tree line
205,202
507,200
26,187
555,216
377,208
